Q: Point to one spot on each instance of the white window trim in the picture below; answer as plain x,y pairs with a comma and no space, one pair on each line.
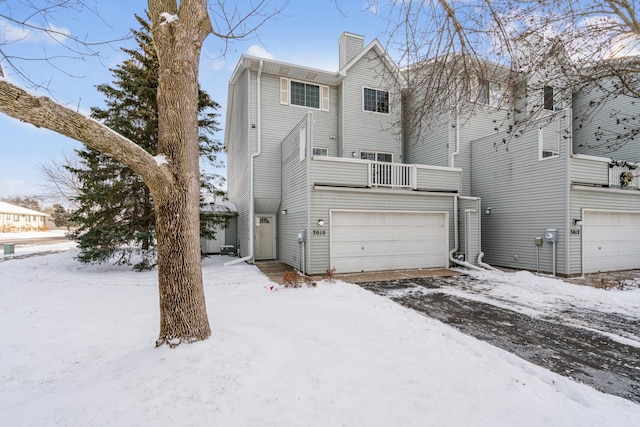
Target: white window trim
378,90
475,92
285,94
541,151
376,155
325,150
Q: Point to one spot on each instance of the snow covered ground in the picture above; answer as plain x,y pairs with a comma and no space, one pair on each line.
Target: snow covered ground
78,350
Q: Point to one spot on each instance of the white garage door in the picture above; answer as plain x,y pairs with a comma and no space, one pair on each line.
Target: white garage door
376,241
610,241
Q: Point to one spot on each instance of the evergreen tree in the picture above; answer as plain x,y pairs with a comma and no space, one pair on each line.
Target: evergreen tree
61,217
115,218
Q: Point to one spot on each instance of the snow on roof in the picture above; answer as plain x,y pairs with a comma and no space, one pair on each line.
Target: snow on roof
220,208
13,209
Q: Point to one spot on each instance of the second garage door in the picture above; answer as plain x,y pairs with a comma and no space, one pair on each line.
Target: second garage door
376,241
610,241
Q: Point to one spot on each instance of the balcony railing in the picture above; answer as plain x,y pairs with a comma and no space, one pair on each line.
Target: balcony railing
345,172
395,175
623,175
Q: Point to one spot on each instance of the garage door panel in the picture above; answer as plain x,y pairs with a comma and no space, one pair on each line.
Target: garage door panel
374,241
611,241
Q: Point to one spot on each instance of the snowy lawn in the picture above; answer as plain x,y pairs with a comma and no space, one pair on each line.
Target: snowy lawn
78,350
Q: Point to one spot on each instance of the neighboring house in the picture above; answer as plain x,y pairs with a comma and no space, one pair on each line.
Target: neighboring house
565,176
318,166
225,231
16,218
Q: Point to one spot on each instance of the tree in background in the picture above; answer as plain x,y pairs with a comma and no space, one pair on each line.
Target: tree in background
61,217
574,45
115,216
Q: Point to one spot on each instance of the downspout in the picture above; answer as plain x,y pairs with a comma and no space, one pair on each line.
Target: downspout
456,238
252,215
456,233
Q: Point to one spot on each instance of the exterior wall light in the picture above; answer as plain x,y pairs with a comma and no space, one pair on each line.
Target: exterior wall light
321,222
283,211
487,211
577,221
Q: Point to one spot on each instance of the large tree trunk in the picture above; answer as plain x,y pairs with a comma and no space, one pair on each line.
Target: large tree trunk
178,37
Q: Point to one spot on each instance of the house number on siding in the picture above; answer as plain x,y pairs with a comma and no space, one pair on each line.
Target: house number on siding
319,232
575,231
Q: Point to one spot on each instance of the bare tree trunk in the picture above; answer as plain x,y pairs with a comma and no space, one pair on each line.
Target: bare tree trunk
178,41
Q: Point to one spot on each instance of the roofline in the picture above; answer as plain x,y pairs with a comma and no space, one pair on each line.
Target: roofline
247,60
382,52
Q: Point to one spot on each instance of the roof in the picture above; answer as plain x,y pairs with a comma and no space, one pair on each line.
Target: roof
220,209
13,209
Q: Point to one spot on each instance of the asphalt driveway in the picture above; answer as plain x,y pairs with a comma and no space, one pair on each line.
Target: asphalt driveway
598,348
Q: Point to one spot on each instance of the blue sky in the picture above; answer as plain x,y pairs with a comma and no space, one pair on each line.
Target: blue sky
306,33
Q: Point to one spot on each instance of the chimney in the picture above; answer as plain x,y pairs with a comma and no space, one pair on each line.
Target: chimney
350,46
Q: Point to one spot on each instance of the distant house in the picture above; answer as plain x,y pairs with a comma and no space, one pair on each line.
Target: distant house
16,218
225,239
317,166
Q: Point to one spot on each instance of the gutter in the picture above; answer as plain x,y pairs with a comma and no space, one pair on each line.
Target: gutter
252,215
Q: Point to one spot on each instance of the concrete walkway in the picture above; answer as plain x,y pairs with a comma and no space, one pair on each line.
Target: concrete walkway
275,270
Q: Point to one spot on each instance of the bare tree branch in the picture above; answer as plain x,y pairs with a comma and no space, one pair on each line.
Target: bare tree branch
43,112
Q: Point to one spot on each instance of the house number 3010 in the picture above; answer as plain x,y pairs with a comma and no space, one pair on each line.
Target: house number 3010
319,232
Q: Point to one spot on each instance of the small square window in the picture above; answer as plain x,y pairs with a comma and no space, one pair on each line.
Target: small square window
318,151
376,100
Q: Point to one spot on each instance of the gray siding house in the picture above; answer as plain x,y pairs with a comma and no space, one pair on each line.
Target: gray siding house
562,176
318,168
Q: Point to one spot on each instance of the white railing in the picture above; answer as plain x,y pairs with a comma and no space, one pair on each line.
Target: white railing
623,176
397,175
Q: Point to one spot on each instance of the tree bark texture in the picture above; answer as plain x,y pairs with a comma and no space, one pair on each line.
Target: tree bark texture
178,36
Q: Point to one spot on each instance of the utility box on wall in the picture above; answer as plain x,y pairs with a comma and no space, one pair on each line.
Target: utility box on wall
551,235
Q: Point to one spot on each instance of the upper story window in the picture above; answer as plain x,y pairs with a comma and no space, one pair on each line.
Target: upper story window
376,100
304,94
552,99
489,93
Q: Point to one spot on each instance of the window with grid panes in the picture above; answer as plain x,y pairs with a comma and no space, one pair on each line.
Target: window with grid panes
376,100
304,94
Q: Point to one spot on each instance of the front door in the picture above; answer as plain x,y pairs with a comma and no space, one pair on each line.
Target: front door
265,232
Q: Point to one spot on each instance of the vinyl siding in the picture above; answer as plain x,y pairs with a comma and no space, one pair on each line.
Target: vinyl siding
430,146
589,171
365,130
526,197
238,160
596,128
277,121
439,179
482,122
295,193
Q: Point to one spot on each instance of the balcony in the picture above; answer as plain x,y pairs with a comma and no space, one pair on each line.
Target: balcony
604,172
345,172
